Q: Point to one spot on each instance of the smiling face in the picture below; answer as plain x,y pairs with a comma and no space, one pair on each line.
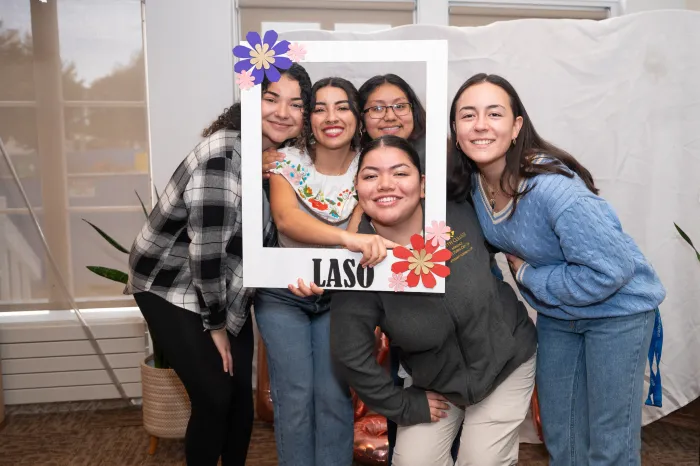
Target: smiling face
332,121
390,187
282,111
484,123
390,123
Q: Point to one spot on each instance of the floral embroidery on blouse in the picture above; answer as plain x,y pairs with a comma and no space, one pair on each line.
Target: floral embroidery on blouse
319,192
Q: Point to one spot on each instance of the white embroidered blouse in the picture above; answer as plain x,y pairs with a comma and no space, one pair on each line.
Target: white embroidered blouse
329,198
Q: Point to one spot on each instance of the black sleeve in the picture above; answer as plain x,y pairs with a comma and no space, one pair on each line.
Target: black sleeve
354,317
266,188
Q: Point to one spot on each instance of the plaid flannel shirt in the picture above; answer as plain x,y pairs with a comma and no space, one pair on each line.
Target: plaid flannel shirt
190,250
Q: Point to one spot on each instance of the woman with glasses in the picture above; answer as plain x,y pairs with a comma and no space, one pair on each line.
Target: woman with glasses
390,106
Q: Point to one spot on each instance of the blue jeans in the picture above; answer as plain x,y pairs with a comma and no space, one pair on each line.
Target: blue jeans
590,381
314,423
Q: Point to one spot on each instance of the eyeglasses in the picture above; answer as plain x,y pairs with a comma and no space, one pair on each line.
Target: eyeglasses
379,111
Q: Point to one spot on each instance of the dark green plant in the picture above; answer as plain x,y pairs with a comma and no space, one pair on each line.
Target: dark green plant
159,360
687,240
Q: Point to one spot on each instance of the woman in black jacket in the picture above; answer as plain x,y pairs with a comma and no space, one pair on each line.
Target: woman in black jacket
469,352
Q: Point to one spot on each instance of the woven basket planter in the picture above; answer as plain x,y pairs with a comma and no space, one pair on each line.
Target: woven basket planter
166,406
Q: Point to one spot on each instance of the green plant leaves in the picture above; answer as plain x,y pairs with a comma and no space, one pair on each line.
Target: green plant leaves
160,362
111,274
145,212
687,240
116,245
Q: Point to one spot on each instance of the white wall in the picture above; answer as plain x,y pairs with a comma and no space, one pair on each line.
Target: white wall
189,65
432,12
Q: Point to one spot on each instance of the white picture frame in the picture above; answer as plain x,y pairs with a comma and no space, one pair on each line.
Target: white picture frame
265,267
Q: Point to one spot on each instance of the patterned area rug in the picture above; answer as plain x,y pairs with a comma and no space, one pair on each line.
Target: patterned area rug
116,437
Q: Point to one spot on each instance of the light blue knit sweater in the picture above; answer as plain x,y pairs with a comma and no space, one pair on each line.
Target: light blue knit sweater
579,262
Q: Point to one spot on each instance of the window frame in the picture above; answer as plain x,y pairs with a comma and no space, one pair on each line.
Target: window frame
614,7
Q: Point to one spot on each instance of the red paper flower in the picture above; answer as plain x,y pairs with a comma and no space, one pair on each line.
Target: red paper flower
421,262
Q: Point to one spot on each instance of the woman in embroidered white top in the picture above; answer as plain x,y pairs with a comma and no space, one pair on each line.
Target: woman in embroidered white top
312,197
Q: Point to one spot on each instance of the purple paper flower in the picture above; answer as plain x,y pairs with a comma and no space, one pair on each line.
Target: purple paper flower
264,58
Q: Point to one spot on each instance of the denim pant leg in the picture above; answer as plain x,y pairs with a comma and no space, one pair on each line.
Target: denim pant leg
332,402
616,354
562,391
286,330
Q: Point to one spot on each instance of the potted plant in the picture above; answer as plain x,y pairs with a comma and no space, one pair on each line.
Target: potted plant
166,406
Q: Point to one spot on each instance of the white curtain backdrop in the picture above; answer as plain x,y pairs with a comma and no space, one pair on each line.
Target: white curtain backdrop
623,96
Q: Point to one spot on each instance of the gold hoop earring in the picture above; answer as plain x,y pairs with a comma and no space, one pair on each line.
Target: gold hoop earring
513,141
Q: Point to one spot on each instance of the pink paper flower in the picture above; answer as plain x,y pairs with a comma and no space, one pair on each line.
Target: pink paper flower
296,52
245,80
438,232
397,282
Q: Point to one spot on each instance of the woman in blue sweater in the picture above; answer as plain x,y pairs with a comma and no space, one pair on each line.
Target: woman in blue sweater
594,291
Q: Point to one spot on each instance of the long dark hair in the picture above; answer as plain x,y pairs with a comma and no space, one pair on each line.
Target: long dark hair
519,157
417,109
390,140
230,118
351,91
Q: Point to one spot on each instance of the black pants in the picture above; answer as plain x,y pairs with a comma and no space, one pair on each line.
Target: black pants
222,406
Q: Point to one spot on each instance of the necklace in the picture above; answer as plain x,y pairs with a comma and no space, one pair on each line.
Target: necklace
492,198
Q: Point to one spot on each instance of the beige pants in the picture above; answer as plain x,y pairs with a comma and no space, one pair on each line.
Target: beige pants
489,428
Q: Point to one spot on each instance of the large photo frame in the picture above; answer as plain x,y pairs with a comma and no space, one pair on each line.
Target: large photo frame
334,268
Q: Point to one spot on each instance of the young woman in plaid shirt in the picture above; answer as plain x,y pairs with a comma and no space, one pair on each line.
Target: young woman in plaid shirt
186,273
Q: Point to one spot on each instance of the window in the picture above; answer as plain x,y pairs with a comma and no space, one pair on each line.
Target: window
339,15
73,120
482,13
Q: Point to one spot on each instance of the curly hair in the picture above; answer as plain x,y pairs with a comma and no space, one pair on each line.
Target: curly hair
230,118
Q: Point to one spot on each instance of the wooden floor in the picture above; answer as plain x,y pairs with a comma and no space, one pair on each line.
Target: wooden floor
116,437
